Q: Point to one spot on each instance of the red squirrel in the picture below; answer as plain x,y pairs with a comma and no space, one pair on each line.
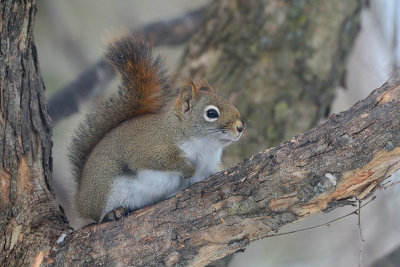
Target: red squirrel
141,145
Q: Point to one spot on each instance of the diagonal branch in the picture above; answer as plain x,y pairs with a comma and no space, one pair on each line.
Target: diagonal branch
167,32
345,157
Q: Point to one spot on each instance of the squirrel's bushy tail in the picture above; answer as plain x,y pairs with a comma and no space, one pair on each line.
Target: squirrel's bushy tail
144,89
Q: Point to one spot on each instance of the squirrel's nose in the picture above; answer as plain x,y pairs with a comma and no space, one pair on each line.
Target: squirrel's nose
241,126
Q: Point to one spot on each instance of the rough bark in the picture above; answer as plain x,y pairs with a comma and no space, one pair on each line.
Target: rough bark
279,61
347,156
29,217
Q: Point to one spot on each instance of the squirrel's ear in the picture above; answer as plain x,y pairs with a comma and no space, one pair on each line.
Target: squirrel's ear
205,86
187,95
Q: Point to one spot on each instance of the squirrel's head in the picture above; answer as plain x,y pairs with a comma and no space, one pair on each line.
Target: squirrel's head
207,115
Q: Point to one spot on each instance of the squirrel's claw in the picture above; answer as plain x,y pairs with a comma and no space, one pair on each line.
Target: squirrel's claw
116,214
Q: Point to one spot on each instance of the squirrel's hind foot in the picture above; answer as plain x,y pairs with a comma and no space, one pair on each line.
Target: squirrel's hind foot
116,214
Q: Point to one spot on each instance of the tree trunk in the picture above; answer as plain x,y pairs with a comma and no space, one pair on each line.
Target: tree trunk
278,61
30,220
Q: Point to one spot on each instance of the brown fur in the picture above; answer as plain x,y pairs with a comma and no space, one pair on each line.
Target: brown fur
145,89
140,128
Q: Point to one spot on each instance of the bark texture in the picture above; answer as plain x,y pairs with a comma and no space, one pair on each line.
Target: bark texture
345,157
278,61
30,220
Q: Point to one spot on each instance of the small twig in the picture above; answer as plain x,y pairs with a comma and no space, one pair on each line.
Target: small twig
384,187
360,232
373,185
327,223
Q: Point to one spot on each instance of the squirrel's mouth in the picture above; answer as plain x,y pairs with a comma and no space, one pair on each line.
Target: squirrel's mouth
229,140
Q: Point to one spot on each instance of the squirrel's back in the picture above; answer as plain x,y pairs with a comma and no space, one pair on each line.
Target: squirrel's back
144,89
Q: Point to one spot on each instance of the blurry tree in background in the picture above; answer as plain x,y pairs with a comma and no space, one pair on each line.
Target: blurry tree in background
279,62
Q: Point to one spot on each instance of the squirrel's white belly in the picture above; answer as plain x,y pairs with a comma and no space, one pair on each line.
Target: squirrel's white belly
149,186
145,188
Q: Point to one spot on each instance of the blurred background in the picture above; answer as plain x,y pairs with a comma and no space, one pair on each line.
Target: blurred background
286,64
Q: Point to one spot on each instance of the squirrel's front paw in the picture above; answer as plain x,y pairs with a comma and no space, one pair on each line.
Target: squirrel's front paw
188,170
116,214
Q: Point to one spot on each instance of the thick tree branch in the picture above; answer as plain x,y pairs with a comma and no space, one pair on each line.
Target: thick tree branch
347,156
167,32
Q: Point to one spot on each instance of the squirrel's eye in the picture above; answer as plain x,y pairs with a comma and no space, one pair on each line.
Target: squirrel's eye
211,113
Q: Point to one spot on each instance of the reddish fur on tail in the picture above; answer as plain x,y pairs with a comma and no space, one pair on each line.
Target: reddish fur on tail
144,89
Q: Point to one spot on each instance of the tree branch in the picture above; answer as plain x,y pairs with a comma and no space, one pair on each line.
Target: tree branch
167,32
345,157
